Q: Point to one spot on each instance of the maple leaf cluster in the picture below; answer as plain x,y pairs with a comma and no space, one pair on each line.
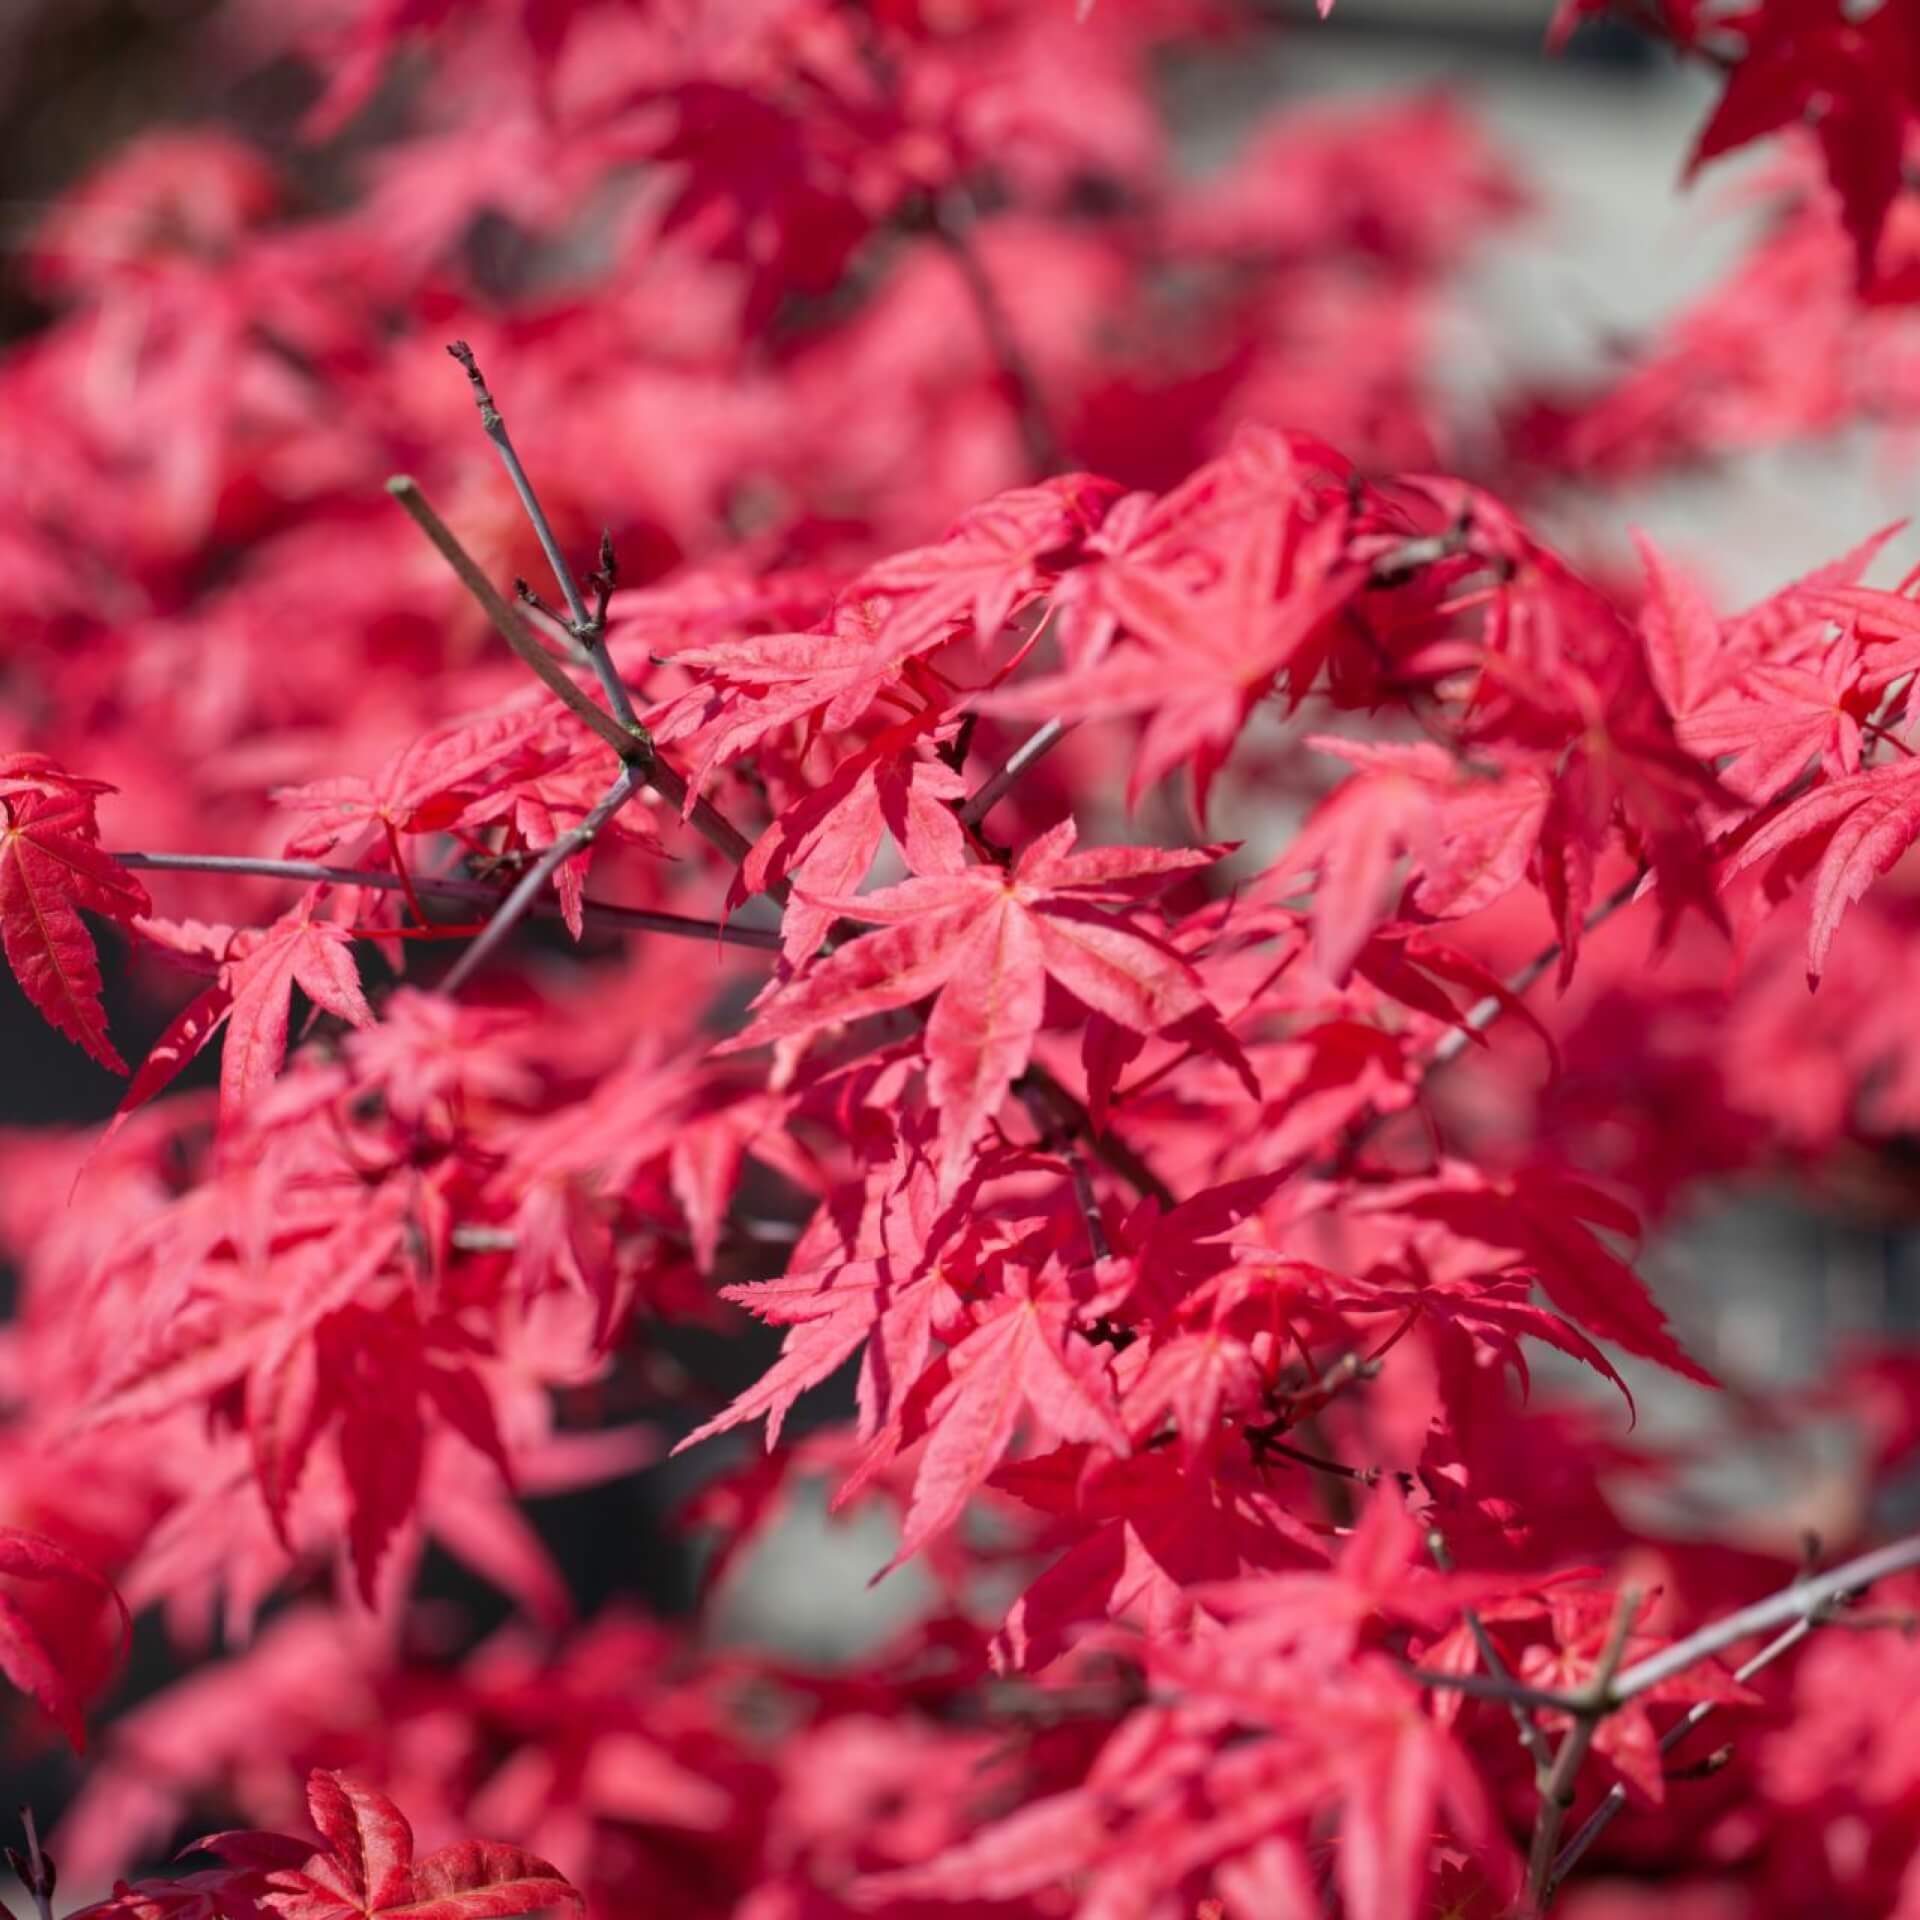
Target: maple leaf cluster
1814,333
1054,812
1851,74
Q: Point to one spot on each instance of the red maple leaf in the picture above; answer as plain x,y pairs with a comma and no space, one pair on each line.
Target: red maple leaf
370,1375
1146,1531
51,867
882,1282
25,1658
1021,1360
256,973
1218,605
1542,1218
827,839
364,1866
1468,840
1383,1570
986,941
1859,70
1854,828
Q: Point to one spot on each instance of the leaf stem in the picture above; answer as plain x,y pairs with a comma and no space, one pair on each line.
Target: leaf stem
1481,1686
495,428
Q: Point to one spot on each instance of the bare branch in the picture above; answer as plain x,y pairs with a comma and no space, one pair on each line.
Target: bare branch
1604,1814
996,786
1089,1204
1265,1446
1483,1686
1108,1146
630,742
1804,1600
495,428
1532,1737
1807,1603
34,1869
532,884
1484,1013
1596,1701
1478,1018
601,916
1083,1193
587,627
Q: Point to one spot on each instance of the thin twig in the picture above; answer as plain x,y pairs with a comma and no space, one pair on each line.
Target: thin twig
996,786
36,1871
1532,1735
1479,1017
1803,1600
1089,1202
495,428
1319,1462
532,884
1799,1607
588,628
1596,1701
1483,1686
1109,1147
630,742
1605,1813
601,916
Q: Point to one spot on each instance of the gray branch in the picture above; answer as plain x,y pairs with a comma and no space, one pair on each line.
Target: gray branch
533,883
600,915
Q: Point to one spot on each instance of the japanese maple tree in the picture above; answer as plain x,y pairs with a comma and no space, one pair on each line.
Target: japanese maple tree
918,738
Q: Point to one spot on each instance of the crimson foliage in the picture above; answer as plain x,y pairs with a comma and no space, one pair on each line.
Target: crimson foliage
991,514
